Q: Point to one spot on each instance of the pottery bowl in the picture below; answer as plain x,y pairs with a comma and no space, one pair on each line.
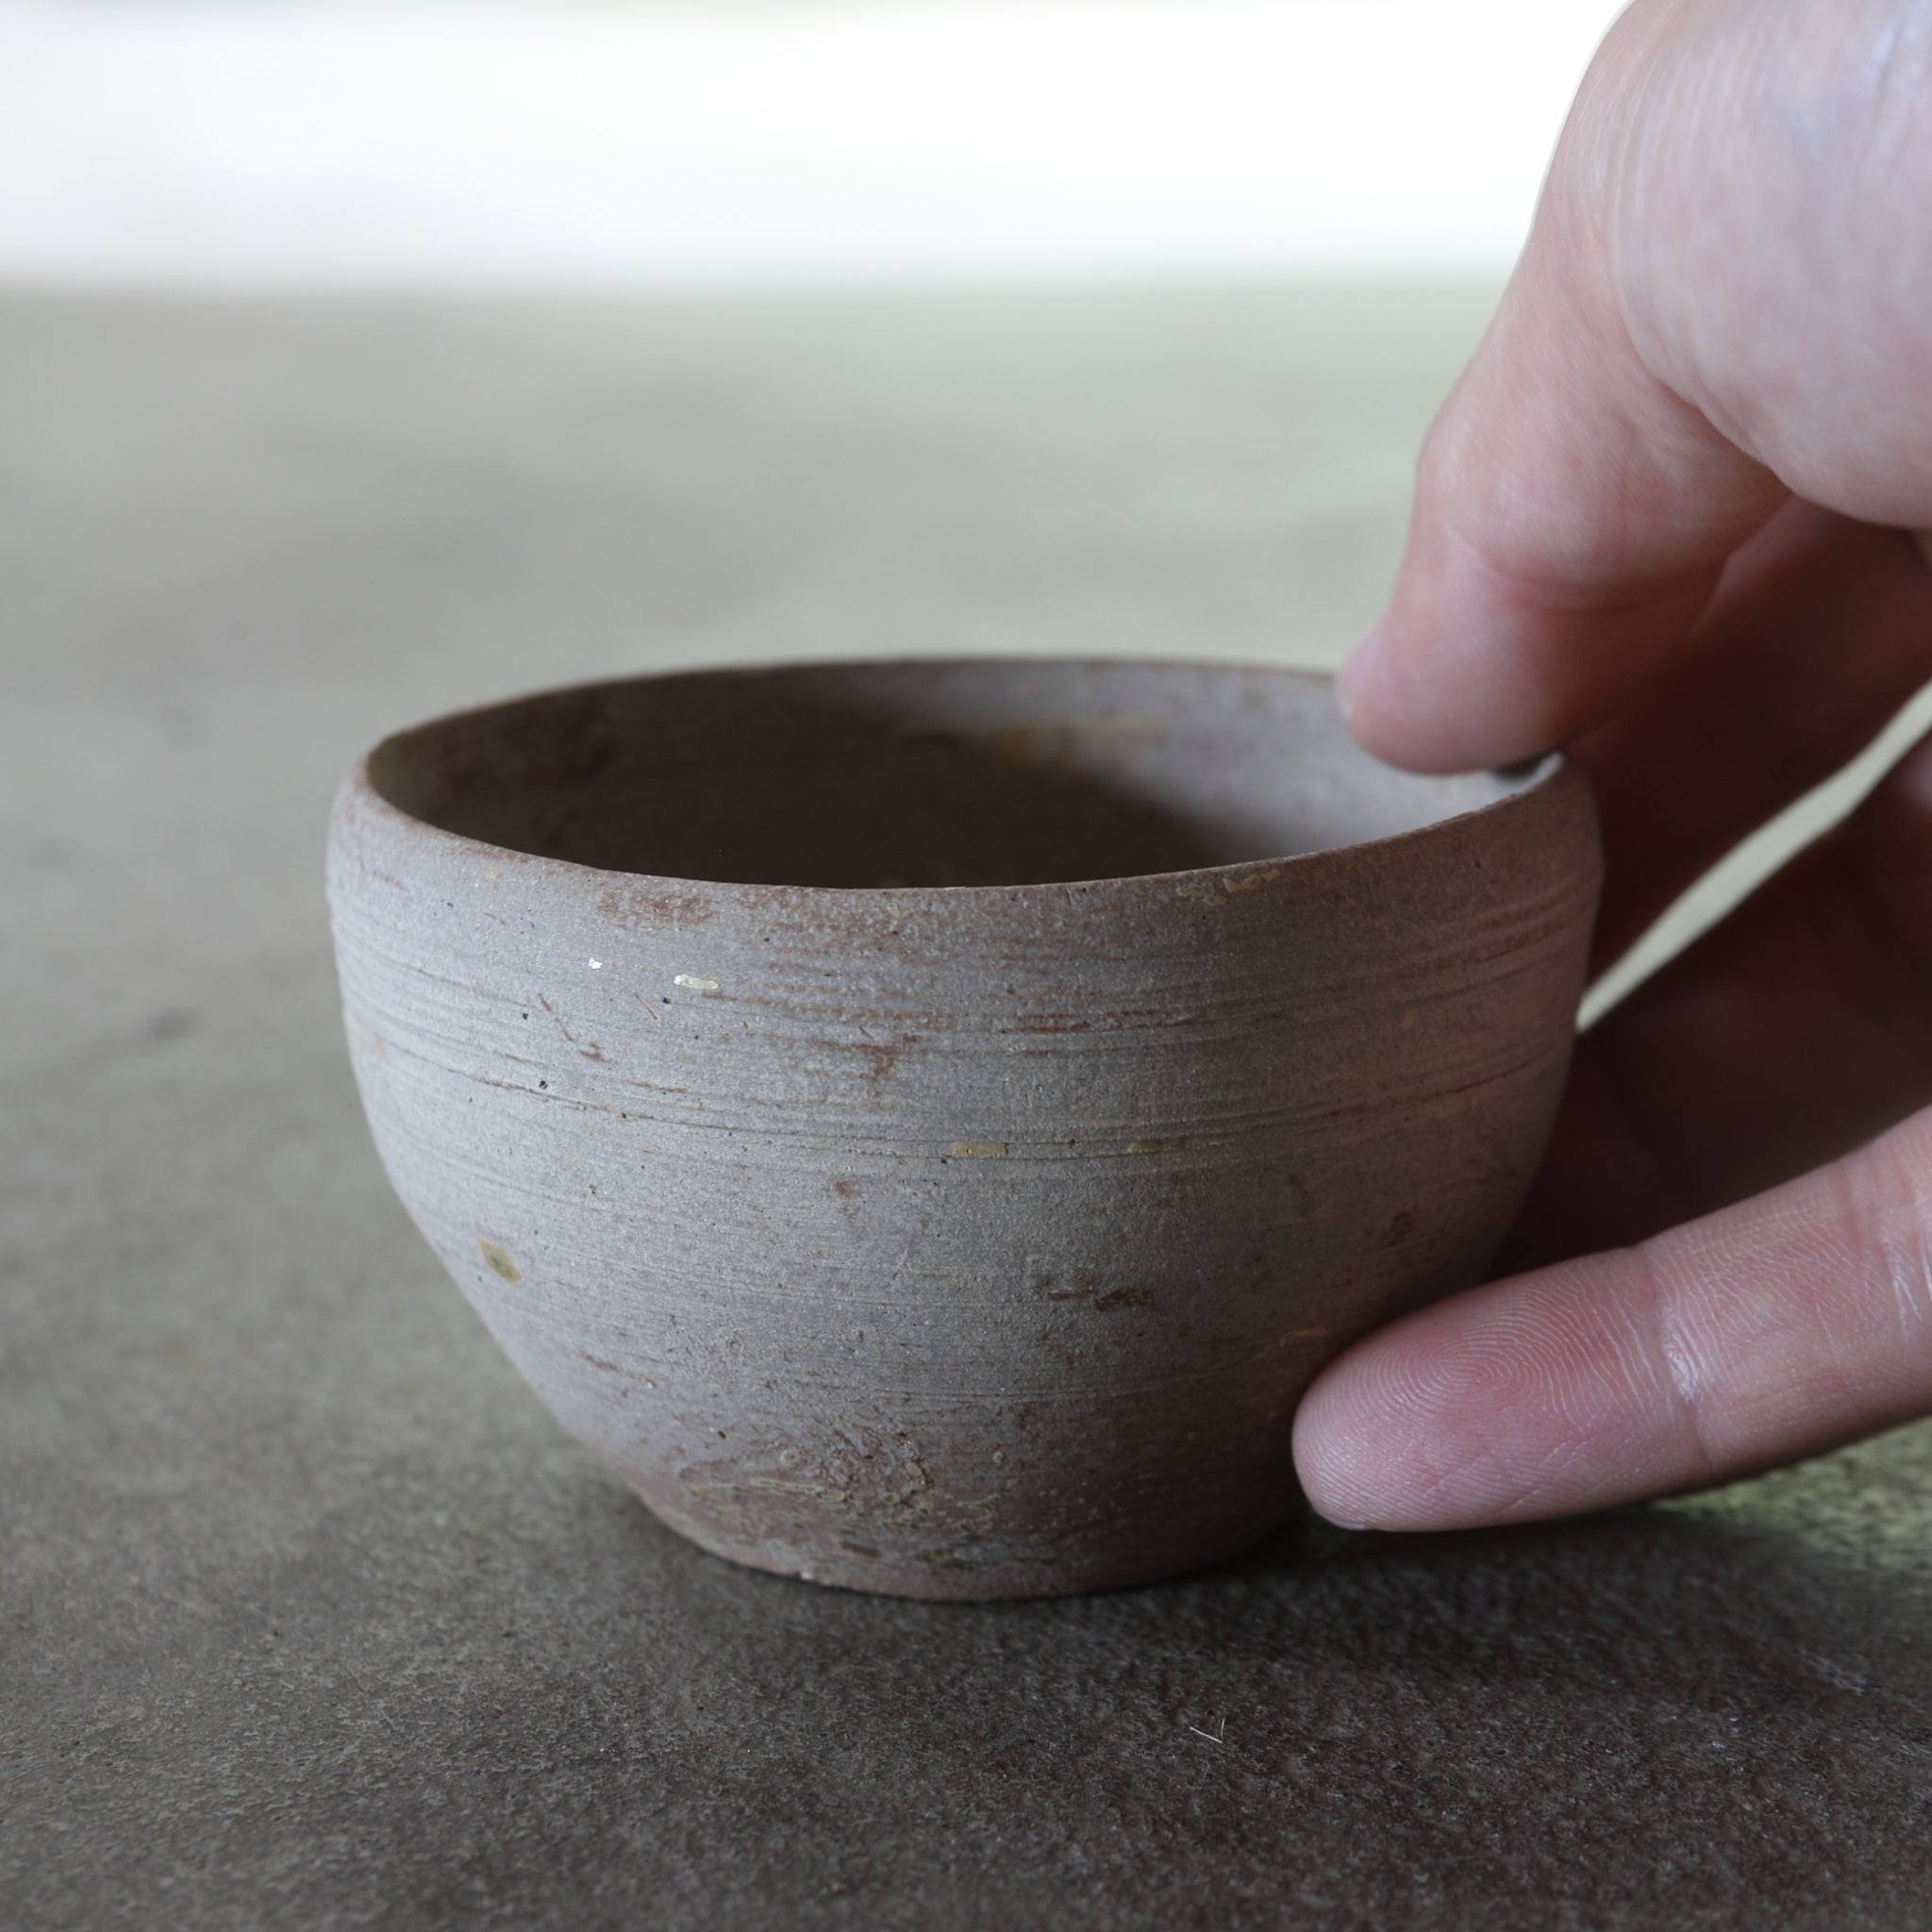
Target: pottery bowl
924,1124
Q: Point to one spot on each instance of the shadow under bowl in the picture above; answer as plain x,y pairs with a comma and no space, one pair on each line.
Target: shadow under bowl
924,1124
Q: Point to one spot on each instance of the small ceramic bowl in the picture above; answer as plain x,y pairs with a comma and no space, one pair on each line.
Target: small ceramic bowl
924,1124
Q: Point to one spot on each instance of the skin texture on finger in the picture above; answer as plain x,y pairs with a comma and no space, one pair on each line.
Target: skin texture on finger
1769,229
1798,1026
1649,394
1821,633
1782,1326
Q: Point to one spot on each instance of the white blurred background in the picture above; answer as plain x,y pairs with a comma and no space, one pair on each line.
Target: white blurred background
214,144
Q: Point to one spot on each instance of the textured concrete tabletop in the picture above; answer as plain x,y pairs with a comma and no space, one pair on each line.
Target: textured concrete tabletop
310,1617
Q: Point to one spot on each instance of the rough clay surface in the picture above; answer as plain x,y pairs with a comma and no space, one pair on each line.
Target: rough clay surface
957,1240
312,1617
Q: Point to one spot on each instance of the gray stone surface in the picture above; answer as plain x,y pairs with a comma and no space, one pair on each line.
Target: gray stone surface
309,1614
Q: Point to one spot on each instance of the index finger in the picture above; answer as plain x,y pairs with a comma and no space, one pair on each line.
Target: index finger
1573,513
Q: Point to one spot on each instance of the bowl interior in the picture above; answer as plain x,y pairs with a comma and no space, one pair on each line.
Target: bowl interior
976,773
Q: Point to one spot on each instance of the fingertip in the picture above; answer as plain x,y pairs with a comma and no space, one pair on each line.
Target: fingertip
1377,707
1465,673
1460,671
1537,1396
1394,711
1376,1447
1341,1443
1479,1410
1359,668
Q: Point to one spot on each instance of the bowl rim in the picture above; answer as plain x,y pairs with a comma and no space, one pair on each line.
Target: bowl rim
1532,782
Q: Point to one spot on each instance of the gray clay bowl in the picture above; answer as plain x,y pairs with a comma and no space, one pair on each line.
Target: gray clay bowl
924,1124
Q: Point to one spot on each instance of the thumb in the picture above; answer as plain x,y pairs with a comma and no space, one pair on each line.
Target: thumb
1789,1324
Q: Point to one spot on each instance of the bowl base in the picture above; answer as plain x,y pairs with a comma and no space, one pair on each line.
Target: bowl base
957,1577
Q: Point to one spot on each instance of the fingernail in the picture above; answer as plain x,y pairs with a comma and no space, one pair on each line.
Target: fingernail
1358,666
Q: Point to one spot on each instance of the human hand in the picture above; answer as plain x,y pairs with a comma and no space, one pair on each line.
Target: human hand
1667,520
